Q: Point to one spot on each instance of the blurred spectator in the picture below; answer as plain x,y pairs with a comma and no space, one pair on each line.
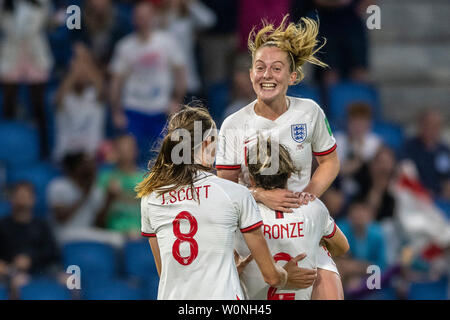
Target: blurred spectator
367,245
80,117
242,91
183,18
219,43
102,26
374,179
73,198
342,23
357,145
27,246
143,89
334,199
122,211
25,57
430,155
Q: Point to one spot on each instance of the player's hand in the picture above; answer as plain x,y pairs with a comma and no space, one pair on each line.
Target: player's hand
299,278
241,263
305,197
278,199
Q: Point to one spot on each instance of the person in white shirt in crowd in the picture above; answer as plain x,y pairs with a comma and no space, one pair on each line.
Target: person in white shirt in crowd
148,79
286,234
80,113
183,19
278,55
25,58
357,144
191,216
75,201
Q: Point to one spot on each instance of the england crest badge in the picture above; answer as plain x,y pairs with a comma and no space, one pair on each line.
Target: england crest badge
298,132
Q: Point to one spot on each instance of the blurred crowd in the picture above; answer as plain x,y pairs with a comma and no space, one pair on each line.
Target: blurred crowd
97,98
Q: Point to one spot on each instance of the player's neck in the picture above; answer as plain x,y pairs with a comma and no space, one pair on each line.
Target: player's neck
271,110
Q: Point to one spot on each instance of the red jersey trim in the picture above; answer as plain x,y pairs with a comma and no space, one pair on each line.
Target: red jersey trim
148,234
252,227
279,214
228,167
332,233
323,153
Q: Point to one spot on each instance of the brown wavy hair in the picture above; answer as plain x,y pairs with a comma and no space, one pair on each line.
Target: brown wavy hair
299,41
164,175
264,160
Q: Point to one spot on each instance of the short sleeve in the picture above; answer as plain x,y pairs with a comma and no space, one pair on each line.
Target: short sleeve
229,149
250,217
329,226
323,141
146,227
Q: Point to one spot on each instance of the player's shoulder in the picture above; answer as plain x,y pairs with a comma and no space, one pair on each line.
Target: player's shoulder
314,207
231,189
305,105
237,119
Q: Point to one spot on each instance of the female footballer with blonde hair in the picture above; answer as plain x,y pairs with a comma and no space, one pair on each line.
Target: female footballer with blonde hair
278,55
191,215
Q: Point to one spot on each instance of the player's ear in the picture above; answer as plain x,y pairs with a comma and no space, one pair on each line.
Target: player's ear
292,78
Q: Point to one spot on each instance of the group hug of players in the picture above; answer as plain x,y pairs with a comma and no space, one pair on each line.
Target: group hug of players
257,229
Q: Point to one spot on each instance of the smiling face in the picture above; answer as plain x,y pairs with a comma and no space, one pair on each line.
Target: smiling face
271,75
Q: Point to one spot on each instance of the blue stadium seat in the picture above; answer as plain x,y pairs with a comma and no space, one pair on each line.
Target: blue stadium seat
97,261
19,144
152,284
392,134
433,290
113,289
3,292
302,90
40,175
44,289
138,260
344,93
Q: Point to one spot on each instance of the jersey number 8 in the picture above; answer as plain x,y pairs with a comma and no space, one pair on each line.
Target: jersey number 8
185,237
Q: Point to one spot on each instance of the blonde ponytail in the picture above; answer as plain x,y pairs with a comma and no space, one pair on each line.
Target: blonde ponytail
299,41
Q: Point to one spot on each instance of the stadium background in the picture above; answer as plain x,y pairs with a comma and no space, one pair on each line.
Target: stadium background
397,73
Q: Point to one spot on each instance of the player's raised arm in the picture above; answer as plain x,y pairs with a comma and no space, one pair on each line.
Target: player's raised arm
229,174
289,276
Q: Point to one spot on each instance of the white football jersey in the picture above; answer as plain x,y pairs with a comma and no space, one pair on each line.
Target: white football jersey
303,129
196,240
287,236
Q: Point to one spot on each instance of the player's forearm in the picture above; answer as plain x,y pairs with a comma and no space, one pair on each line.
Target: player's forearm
156,254
232,175
324,175
273,275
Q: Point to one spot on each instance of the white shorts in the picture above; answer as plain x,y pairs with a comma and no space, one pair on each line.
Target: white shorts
324,260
